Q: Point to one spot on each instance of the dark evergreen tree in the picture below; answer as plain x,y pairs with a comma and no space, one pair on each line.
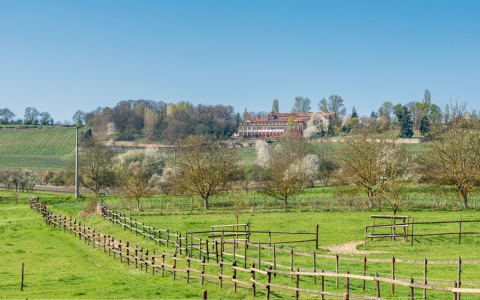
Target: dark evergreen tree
404,119
424,125
322,132
373,115
354,113
330,130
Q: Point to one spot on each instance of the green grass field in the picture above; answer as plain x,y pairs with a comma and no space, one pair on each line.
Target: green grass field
36,149
60,266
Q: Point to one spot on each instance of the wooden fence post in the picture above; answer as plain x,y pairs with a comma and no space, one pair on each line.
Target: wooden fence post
297,293
128,253
216,250
199,248
188,269
220,276
291,264
314,268
393,274
460,231
269,280
253,277
274,261
316,239
377,285
425,277
234,276
21,285
153,263
259,260
163,263
204,295
174,264
459,280
364,271
322,285
347,288
411,289
245,256
336,270
413,221
454,294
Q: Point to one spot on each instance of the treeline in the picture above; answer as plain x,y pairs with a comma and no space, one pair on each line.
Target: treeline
158,120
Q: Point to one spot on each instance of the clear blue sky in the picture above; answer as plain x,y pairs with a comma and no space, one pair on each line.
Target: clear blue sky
60,56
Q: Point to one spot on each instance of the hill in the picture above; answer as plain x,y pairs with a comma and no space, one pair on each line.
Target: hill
39,148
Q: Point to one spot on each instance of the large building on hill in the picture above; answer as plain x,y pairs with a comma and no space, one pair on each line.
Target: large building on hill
278,124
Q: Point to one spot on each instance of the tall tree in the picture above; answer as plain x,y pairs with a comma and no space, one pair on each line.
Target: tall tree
333,104
204,167
452,157
289,169
405,122
31,115
301,105
362,161
6,116
78,117
424,125
138,172
354,113
275,106
245,114
95,165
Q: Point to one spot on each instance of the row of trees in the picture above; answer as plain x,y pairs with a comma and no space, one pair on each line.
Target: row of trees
158,120
31,117
22,179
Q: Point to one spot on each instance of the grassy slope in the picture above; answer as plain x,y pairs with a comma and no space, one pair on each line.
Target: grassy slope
36,149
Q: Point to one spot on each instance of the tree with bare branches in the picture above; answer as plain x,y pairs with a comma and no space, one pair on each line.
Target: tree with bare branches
362,161
452,157
204,167
287,173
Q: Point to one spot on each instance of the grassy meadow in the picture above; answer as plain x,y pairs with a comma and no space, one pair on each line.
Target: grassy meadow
59,266
36,149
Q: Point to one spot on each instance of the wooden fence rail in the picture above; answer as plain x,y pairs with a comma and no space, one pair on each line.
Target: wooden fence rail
157,263
408,231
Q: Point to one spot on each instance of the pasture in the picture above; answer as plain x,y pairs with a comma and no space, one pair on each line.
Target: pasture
59,265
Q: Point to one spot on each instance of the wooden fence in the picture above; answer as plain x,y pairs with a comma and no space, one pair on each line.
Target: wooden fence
408,230
176,239
164,262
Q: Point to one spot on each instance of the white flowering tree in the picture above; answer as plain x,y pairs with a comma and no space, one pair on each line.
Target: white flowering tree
287,173
314,125
138,172
261,148
111,134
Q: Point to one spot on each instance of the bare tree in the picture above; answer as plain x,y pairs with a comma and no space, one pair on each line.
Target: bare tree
275,105
204,167
452,157
78,117
6,116
361,161
95,167
334,104
301,105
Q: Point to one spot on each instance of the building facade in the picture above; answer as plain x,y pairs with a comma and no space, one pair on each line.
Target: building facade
278,124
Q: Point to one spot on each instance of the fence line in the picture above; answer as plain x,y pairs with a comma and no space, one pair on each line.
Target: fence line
410,227
146,259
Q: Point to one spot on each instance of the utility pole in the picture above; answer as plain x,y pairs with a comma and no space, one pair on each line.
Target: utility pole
76,162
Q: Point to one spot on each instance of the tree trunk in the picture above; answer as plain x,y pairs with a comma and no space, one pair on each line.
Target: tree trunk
138,203
285,203
465,201
205,203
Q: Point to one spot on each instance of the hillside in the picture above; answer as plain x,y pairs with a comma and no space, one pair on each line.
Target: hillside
35,148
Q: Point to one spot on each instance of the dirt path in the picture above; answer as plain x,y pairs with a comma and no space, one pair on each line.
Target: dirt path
348,248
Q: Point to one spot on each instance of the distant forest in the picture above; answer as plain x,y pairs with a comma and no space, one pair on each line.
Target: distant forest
160,121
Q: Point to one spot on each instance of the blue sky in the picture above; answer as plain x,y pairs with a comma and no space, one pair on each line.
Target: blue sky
60,56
